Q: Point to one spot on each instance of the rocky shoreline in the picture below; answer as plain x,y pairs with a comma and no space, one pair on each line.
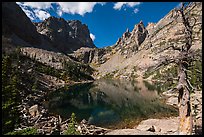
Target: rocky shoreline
167,126
34,114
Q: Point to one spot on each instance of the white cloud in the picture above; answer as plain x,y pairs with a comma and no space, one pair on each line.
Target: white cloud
38,9
80,8
38,5
92,36
30,14
135,10
119,5
42,15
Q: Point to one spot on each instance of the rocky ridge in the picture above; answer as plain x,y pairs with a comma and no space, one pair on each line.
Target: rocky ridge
126,45
126,54
49,58
53,34
130,41
67,36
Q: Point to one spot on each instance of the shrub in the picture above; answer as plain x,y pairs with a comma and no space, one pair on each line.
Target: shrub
27,131
10,93
71,126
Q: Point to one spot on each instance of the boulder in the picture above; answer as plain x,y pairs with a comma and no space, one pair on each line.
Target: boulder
34,110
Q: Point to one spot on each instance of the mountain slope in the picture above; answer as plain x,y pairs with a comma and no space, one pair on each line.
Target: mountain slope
128,57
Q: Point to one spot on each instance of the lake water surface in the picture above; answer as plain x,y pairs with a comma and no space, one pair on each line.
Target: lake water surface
110,103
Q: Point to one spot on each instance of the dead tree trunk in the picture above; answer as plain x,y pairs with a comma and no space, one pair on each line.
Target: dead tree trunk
183,60
185,116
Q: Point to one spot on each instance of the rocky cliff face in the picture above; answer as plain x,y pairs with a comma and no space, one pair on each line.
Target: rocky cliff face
13,18
92,56
142,48
127,45
18,30
67,36
53,34
130,41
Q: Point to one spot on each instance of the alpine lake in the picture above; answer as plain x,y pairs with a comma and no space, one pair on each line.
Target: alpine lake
110,103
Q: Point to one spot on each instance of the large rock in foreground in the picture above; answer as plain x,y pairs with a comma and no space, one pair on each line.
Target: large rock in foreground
161,126
166,126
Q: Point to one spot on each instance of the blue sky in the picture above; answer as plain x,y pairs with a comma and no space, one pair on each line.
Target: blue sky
107,21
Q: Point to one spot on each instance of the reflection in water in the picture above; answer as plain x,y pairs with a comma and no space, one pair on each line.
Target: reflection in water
107,102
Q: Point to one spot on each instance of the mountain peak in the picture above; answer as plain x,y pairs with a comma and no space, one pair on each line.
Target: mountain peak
141,22
127,30
67,35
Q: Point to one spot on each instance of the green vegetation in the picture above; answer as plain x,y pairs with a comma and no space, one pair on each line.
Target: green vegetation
152,87
72,70
78,71
108,49
147,74
18,81
71,126
15,82
109,76
35,85
164,79
10,95
195,74
47,70
133,75
168,78
27,131
162,43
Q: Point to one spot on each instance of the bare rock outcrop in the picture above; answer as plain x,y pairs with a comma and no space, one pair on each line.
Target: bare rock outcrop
139,33
129,43
90,55
67,36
